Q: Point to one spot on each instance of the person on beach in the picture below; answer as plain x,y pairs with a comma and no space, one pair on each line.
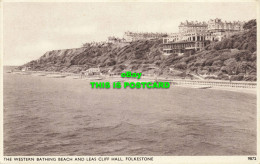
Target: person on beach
82,74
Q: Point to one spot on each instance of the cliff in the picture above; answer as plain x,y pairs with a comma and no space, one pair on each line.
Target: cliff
116,57
235,56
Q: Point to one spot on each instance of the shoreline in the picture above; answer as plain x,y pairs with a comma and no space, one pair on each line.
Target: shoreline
199,84
230,89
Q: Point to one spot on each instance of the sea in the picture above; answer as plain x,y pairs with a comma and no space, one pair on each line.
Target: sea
66,117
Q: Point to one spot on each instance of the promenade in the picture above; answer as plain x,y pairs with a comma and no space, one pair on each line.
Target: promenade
216,83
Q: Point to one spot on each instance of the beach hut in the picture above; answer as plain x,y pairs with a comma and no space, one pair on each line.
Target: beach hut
93,71
26,68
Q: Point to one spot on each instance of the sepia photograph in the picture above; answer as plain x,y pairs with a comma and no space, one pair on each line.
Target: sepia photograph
128,81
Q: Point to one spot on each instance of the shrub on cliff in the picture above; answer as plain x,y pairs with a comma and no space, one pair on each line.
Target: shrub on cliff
250,24
181,66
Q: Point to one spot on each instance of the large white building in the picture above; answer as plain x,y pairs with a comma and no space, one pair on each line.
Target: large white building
193,36
218,25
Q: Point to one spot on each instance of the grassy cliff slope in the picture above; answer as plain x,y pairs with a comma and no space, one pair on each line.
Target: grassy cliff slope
234,56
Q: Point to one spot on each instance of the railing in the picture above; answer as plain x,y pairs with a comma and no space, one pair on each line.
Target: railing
236,84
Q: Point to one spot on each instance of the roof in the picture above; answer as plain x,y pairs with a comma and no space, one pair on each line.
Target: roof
180,42
93,69
196,23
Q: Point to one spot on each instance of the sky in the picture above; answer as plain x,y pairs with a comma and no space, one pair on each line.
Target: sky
31,29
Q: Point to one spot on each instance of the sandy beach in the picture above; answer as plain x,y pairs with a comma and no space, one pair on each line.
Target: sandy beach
118,78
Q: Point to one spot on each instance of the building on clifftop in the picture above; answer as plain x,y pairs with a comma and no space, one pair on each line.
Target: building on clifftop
134,36
194,36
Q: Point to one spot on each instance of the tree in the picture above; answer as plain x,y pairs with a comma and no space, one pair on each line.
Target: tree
250,24
231,66
181,65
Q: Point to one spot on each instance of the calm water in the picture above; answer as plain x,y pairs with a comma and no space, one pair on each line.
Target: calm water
48,116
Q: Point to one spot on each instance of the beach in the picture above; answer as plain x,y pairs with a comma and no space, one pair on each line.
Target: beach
235,86
64,116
